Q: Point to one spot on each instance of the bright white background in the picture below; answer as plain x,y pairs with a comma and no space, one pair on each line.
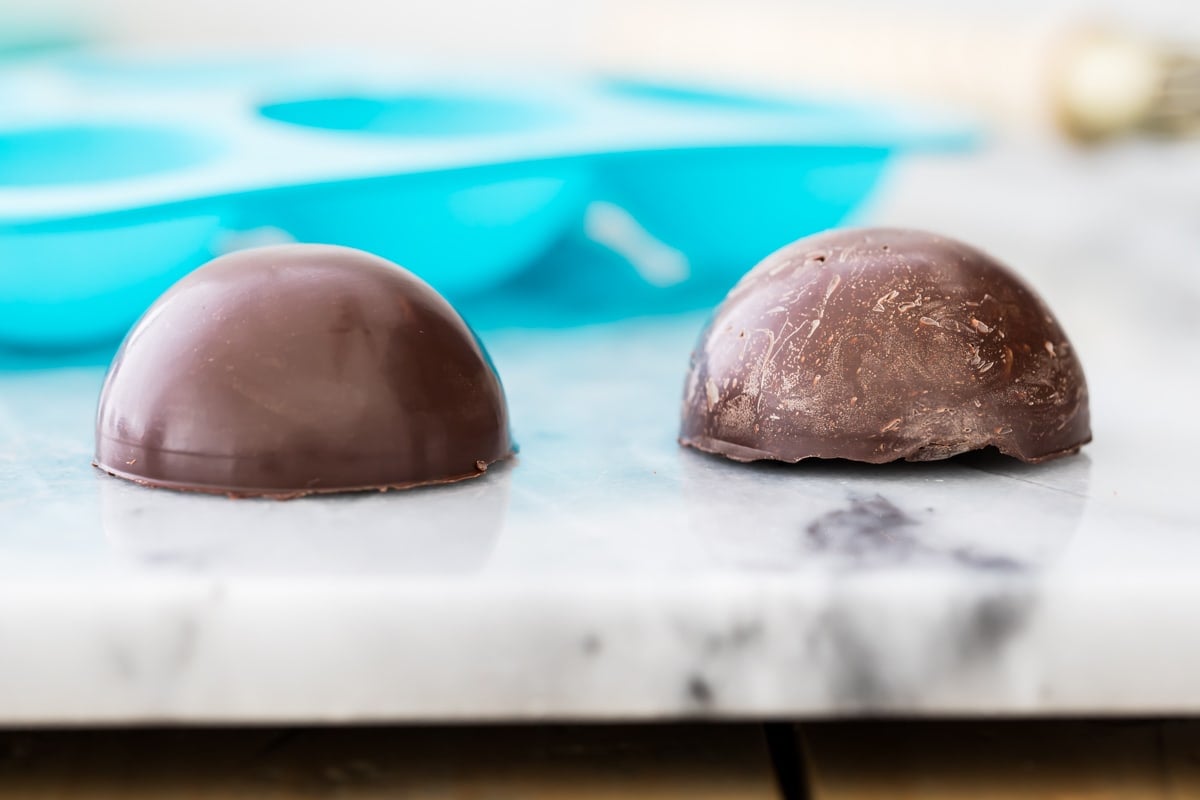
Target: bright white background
522,30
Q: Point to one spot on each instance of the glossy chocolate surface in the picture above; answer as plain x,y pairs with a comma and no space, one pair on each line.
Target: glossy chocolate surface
879,344
296,369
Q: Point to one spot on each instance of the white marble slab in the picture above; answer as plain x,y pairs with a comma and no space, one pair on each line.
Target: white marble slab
610,573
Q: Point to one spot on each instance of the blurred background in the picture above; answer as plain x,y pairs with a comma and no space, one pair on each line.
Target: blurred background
1001,56
541,31
1004,59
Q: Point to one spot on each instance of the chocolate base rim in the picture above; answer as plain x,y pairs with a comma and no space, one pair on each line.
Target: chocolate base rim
745,455
292,494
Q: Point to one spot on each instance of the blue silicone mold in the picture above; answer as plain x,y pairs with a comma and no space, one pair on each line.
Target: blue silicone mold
115,181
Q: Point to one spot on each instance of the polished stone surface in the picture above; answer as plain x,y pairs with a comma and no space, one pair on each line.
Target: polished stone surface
610,573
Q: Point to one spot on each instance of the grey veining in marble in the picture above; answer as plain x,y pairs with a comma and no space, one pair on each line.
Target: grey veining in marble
610,573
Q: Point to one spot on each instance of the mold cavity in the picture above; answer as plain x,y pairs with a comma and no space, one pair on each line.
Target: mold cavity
48,156
694,96
409,115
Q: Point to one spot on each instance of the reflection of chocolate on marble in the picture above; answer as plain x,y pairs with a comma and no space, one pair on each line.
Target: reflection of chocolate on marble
289,370
876,345
447,530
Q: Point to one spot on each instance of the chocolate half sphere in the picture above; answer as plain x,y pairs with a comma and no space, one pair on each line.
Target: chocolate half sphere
288,370
876,345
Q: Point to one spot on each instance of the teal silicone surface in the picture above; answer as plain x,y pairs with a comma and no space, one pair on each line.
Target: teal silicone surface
116,179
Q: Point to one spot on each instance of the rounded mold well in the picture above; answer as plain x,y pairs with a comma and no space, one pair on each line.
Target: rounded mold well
417,115
74,154
462,231
75,288
725,209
